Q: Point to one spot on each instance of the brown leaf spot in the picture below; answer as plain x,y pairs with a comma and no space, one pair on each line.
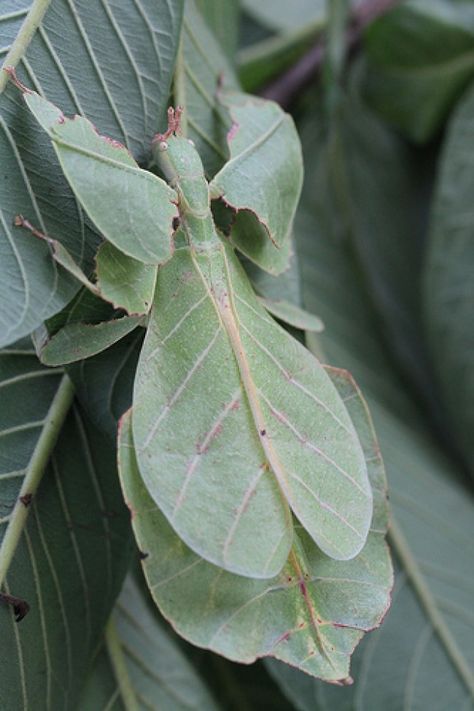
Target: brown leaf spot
20,607
26,499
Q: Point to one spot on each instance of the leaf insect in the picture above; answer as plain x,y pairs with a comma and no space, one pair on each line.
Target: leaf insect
237,427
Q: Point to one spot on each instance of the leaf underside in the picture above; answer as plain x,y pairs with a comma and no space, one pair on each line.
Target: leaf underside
68,61
73,552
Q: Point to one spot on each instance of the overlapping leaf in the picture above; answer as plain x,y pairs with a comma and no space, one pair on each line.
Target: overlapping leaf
78,341
201,67
264,425
449,285
311,615
422,656
155,672
69,61
421,57
223,19
74,549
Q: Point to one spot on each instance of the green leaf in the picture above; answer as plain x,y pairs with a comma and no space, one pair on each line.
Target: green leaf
68,60
449,286
104,383
282,16
262,141
78,341
311,615
292,315
367,195
201,68
156,674
223,19
271,414
423,653
421,57
132,208
73,550
125,282
250,237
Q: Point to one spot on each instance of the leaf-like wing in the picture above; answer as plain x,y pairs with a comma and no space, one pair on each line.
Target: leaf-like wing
311,615
127,283
265,172
150,667
74,549
78,340
68,60
293,315
233,419
133,208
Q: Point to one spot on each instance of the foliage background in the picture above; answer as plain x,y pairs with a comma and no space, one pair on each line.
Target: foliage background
384,240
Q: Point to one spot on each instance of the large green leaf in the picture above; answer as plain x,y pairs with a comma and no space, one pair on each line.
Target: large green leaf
422,656
311,615
378,214
104,383
141,666
73,548
421,56
271,414
201,68
69,61
223,19
283,16
449,284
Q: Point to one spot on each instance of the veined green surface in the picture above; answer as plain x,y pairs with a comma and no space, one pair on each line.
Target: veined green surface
133,208
310,615
68,61
263,142
77,341
126,282
157,674
263,424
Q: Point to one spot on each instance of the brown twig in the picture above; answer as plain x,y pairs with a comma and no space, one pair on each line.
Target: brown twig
285,89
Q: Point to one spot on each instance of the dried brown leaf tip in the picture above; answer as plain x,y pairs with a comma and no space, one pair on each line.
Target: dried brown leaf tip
20,607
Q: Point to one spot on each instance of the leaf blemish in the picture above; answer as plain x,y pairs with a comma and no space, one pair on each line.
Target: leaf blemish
20,607
26,499
232,132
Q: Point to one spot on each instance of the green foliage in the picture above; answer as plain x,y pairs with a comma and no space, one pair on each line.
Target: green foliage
181,294
420,58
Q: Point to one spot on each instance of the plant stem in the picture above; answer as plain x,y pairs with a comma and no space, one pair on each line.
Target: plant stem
52,426
335,49
288,85
114,649
428,603
30,24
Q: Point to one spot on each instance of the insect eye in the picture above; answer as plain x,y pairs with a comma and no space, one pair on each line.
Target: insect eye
163,146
